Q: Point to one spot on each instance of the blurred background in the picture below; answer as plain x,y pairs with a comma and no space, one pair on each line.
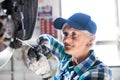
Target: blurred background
106,14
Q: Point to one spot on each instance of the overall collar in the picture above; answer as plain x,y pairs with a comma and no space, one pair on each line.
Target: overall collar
86,64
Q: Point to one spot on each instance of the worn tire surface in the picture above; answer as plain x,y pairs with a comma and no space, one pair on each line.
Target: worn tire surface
29,9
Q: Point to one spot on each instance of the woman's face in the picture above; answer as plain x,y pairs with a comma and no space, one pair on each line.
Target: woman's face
76,41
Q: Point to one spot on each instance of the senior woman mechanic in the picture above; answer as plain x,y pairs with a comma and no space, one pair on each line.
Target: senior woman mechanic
77,60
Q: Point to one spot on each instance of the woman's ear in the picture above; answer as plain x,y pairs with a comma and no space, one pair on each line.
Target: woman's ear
92,38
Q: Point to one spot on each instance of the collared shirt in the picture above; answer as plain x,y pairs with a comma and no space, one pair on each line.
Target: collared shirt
89,69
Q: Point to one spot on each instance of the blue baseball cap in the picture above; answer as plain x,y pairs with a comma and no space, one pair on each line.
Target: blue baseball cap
78,21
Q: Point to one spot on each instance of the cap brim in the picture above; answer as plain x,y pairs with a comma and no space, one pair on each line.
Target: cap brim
59,22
